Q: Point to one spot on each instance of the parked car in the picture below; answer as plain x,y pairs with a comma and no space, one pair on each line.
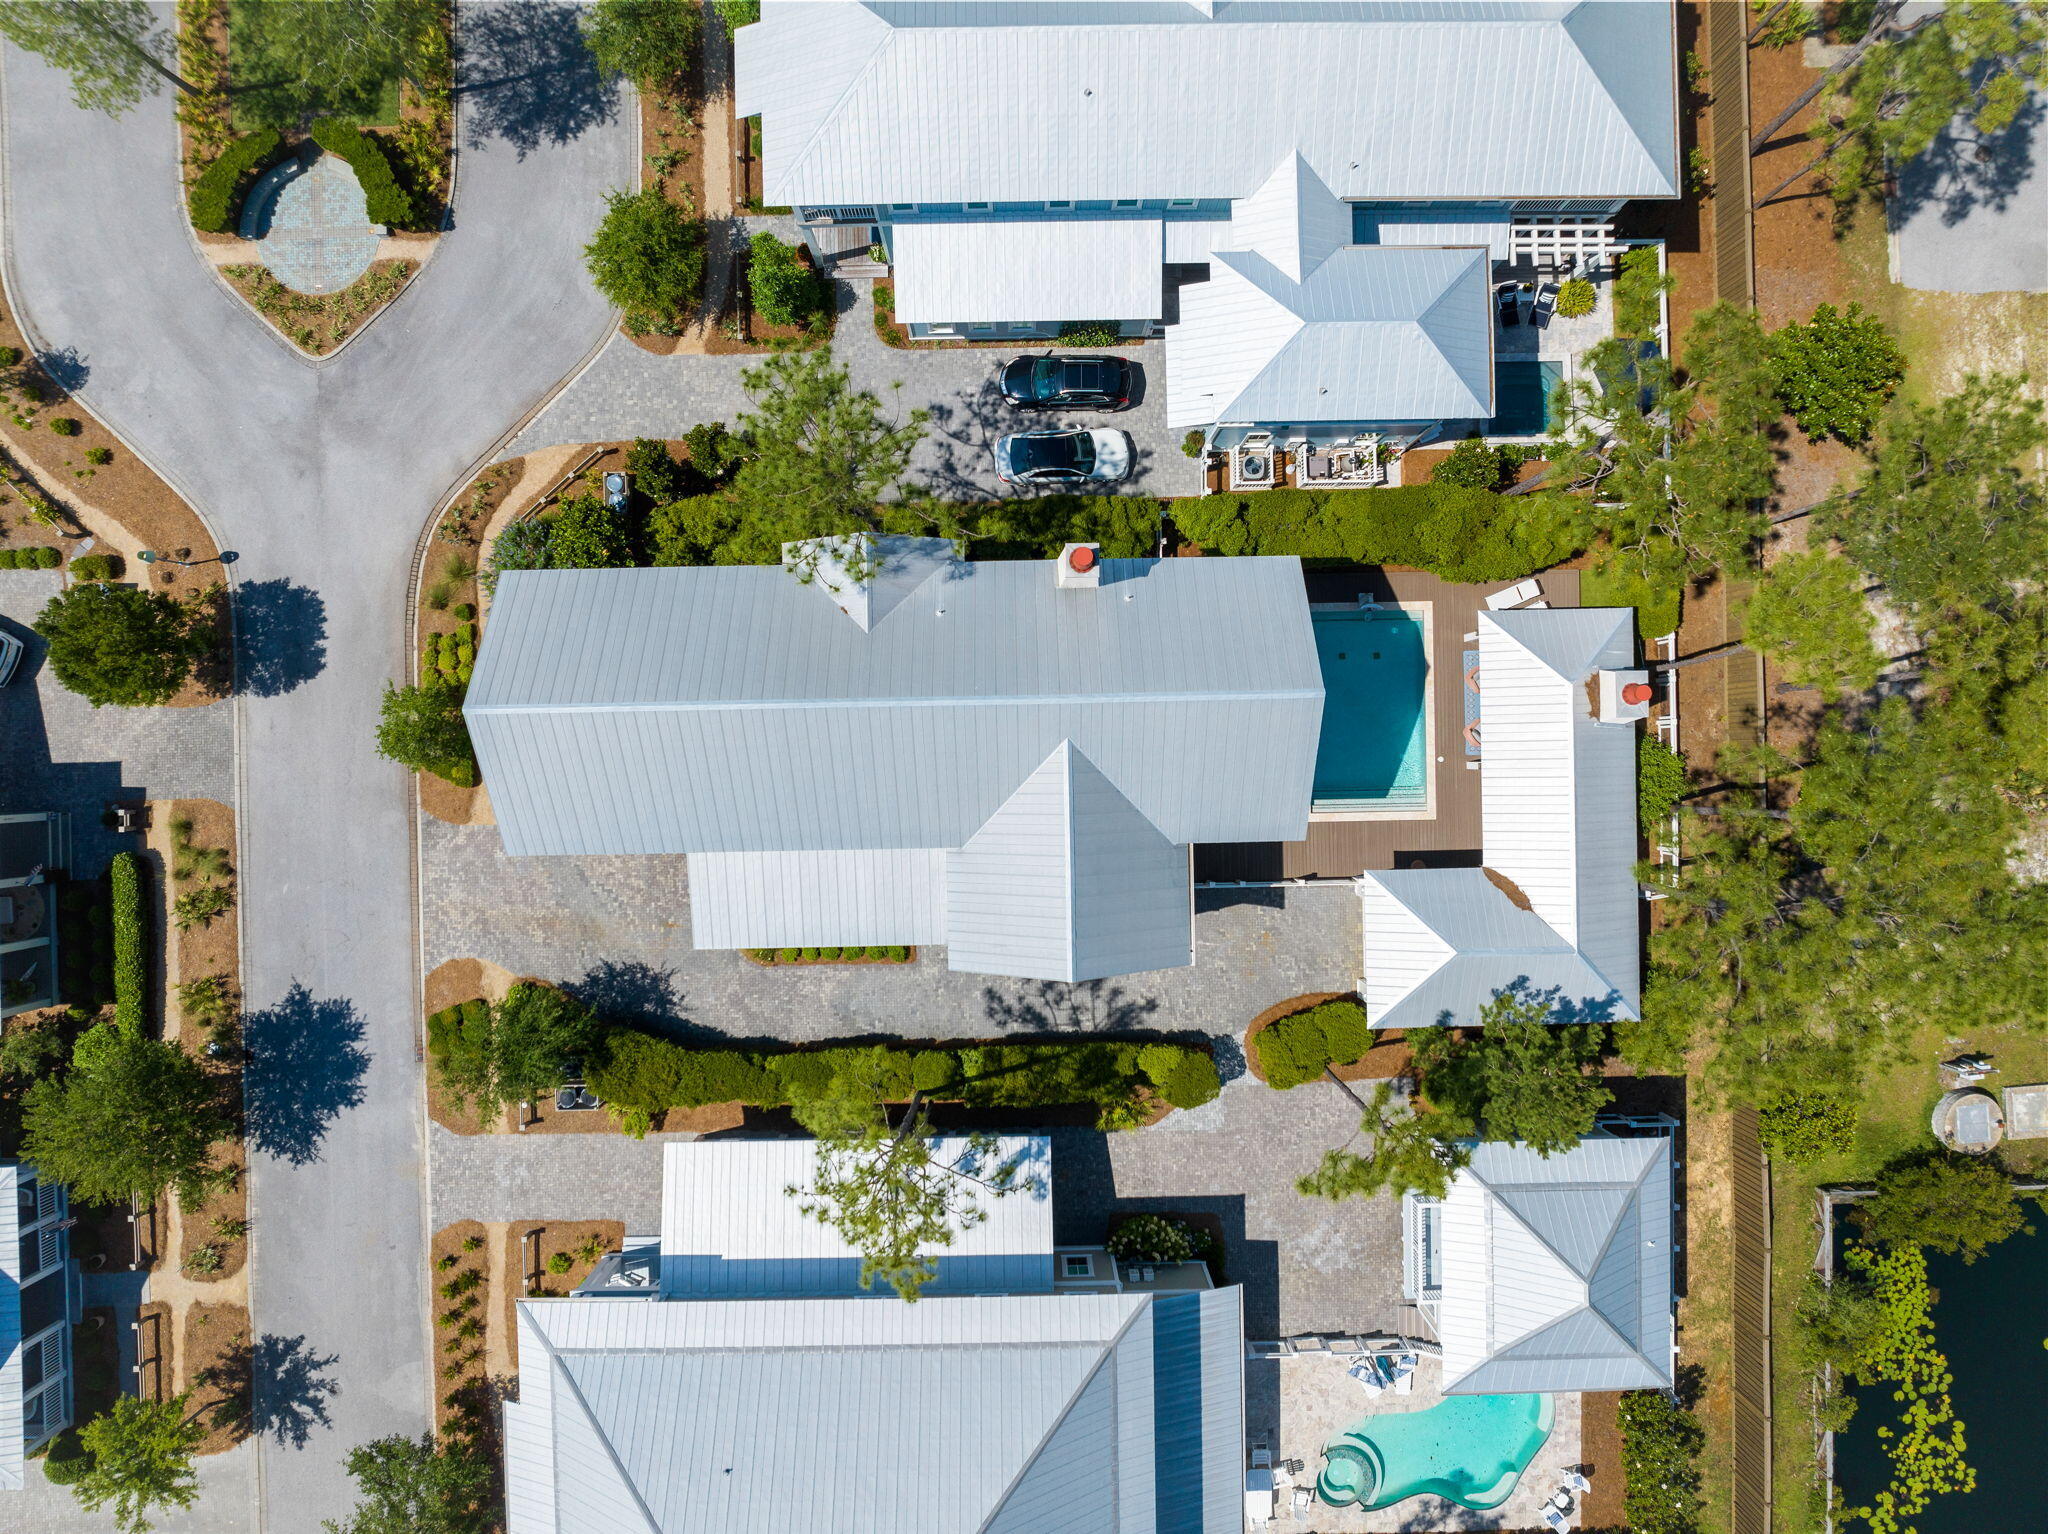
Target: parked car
1080,383
1507,303
618,489
1081,456
10,658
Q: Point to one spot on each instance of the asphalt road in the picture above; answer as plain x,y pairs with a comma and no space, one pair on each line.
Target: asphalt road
322,478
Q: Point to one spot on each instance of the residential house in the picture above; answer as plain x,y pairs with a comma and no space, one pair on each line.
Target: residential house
1310,199
744,1380
41,1299
1550,1273
883,743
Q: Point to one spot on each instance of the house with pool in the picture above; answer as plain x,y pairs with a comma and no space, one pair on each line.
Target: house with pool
729,1372
1326,209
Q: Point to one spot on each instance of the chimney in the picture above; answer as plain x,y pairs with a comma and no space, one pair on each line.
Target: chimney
1622,697
1080,564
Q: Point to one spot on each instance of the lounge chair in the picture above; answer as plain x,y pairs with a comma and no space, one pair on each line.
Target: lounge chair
1577,1482
1368,1374
1556,1520
1514,596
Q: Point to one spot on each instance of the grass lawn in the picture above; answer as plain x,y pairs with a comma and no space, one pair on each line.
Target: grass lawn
1897,1102
1657,607
254,106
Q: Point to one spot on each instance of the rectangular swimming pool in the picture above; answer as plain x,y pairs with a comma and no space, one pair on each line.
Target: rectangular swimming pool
1521,397
1373,751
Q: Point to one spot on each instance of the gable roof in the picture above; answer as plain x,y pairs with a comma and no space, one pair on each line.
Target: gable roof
1369,333
1036,1414
1410,99
737,709
1555,910
1557,1271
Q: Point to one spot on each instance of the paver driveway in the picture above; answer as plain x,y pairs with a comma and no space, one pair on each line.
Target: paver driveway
322,478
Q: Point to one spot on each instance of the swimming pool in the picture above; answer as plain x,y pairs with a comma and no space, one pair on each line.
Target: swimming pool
1372,753
1521,397
1470,1450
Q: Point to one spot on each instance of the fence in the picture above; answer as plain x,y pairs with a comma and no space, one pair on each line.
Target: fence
1750,1362
1724,28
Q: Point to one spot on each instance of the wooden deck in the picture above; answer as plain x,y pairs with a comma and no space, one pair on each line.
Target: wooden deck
1450,839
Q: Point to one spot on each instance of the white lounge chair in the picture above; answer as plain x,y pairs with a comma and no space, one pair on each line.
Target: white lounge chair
1577,1482
1556,1520
1367,1372
1514,596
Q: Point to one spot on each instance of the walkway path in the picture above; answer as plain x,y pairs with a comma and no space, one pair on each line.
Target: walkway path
322,477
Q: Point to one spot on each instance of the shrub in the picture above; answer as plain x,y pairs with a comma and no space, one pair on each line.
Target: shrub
1836,372
99,455
1660,783
64,425
1575,300
1126,526
788,955
204,1261
647,257
521,545
472,1243
1660,1449
589,535
43,557
1191,444
714,450
786,291
67,1461
560,1263
1803,1126
386,201
96,567
462,612
1457,533
1186,1082
932,1071
1295,1049
1475,465
897,955
213,197
1090,333
10,356
203,906
127,885
1157,1238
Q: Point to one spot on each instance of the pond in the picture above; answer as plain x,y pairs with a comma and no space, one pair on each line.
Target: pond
1990,1318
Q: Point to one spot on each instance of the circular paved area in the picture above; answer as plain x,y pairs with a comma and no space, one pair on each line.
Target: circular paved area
319,237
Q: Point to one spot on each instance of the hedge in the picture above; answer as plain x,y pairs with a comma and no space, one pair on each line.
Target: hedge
644,1074
96,567
41,557
131,941
213,197
386,201
872,955
1455,532
1660,1450
457,1029
1295,1049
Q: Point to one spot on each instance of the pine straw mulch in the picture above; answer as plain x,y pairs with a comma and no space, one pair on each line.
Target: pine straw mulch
318,323
527,1246
218,1366
1600,1459
470,1374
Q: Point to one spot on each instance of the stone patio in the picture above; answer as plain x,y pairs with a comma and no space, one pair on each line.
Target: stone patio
311,224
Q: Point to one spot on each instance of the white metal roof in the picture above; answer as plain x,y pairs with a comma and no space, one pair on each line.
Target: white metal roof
1373,333
1035,1414
1555,910
817,899
1557,1271
11,1391
728,1228
951,103
1057,269
736,709
1068,881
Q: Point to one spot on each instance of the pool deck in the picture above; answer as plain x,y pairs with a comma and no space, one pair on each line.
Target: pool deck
1318,1400
1341,849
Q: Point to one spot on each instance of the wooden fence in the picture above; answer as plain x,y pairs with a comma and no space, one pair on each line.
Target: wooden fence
1750,1364
1723,28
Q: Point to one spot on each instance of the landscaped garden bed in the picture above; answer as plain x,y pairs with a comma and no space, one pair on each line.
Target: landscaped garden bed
465,1269
771,958
1083,336
318,323
1293,1041
216,1362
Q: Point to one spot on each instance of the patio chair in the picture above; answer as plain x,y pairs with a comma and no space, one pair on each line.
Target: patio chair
1514,596
1367,1372
1560,1499
1556,1520
1577,1482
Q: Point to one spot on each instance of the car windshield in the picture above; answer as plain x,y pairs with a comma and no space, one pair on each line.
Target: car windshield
1045,378
1070,452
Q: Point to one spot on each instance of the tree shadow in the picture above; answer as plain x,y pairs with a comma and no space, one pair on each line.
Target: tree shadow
1056,1006
528,77
280,636
276,1388
306,1065
67,369
1964,170
631,992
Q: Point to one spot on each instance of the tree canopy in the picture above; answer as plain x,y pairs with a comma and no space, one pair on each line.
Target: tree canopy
1946,1203
1407,1149
1836,371
141,1453
653,43
116,644
1522,1077
295,60
647,257
421,727
113,50
1808,616
409,1486
134,1116
529,1043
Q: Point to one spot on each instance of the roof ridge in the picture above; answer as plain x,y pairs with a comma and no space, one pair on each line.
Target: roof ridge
825,119
564,1378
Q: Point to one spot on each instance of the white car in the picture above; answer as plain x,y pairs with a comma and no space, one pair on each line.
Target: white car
1101,456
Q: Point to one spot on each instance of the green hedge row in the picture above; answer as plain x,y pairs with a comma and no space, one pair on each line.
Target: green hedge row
388,202
1295,1049
128,888
214,196
42,557
826,955
1453,531
644,1074
455,1031
95,567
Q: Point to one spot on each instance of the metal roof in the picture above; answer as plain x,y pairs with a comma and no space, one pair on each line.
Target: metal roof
11,1390
817,899
950,103
1068,881
1555,910
729,1229
738,709
1036,1414
1372,333
1058,269
1557,1271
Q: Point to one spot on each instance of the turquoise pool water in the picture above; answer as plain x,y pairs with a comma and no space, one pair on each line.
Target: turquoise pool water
1371,754
1470,1450
1521,397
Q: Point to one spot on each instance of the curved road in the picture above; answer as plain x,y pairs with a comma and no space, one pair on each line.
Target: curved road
322,477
